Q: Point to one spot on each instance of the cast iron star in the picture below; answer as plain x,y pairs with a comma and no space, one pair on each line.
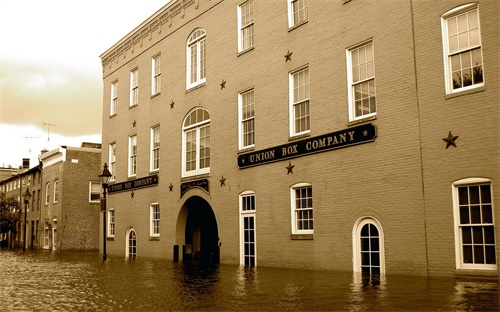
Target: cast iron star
450,140
132,194
172,104
290,168
222,181
171,187
288,56
223,84
133,124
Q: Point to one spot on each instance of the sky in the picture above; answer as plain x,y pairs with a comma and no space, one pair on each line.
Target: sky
51,73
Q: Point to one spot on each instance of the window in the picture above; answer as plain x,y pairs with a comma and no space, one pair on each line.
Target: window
131,251
94,192
361,81
112,160
300,118
368,247
46,234
156,75
463,61
56,191
196,65
196,143
47,194
302,209
245,25
298,12
155,149
154,230
474,225
132,155
246,103
248,254
111,223
134,87
114,98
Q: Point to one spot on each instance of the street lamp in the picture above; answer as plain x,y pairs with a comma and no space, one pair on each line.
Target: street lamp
104,176
27,197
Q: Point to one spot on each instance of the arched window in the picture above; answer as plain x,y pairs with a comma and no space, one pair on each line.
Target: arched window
248,252
368,243
131,251
195,59
196,143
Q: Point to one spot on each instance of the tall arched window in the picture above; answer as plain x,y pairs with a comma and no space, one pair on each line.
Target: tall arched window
195,59
131,251
368,247
196,143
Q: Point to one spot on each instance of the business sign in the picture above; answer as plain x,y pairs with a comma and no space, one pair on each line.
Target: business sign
335,140
133,184
186,186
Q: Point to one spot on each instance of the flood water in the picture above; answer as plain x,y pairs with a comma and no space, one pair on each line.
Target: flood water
76,281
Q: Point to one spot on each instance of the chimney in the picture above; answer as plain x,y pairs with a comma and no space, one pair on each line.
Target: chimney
26,163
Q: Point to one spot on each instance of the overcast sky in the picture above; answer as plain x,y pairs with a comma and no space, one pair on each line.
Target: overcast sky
50,70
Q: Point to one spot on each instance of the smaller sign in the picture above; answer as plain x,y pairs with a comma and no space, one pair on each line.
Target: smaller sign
186,186
133,184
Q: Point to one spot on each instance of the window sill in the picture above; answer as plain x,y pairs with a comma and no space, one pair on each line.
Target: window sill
465,92
110,238
132,106
476,272
246,149
154,238
362,120
301,236
113,115
196,87
245,51
298,25
155,95
195,177
345,1
299,136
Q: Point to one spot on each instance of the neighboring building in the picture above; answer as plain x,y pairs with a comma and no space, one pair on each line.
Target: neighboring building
312,134
70,202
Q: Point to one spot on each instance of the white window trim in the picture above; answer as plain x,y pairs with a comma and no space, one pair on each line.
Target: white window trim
133,87
350,83
112,160
199,81
240,28
130,140
448,82
240,119
114,98
151,226
291,111
90,192
356,247
127,243
197,126
55,198
293,210
47,193
291,23
248,213
458,238
152,149
110,211
155,75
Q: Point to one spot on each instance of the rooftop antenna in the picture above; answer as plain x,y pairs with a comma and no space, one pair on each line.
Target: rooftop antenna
48,125
30,138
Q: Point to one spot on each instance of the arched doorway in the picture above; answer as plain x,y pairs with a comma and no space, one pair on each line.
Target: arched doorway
131,244
201,235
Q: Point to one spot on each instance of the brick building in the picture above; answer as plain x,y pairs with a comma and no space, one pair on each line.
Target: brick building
71,198
392,120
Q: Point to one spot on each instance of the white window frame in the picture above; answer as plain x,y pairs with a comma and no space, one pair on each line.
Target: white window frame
156,74
46,236
294,209
47,193
94,190
351,84
197,126
128,254
199,45
154,155
447,54
111,222
114,98
134,87
249,117
291,13
306,100
244,213
154,220
245,25
112,160
473,181
55,199
356,243
132,155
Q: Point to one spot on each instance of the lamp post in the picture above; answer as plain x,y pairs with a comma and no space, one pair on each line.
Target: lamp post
104,176
27,197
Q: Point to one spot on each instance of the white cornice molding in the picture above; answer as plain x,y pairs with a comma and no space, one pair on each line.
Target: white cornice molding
54,156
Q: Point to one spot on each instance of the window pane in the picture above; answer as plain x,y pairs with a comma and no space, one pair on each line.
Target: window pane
487,214
485,194
463,196
477,234
467,250
464,215
478,254
467,235
490,255
474,194
489,235
375,259
475,214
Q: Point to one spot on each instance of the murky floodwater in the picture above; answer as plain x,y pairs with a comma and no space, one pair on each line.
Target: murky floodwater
44,281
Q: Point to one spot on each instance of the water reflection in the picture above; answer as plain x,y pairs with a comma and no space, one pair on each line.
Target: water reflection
42,281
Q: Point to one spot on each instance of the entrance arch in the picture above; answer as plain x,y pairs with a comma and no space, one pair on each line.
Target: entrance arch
197,231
